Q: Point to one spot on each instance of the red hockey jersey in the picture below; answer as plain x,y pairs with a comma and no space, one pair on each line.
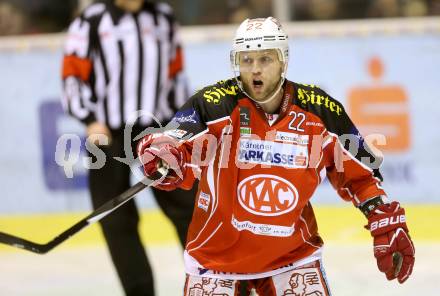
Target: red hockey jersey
253,212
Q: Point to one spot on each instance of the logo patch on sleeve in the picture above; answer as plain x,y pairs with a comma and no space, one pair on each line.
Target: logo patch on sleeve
176,133
189,115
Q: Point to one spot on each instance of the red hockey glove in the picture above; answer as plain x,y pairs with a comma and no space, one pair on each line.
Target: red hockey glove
393,247
158,150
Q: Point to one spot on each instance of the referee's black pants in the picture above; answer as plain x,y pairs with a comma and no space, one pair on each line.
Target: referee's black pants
120,228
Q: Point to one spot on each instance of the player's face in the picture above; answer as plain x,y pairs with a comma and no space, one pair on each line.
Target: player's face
260,72
129,5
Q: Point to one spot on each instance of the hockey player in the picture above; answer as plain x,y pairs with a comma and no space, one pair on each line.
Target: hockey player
260,145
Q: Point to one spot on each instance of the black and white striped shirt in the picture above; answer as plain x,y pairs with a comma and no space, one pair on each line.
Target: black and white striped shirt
116,63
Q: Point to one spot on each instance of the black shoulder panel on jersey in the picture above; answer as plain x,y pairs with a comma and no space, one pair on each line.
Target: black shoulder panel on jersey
332,113
313,99
218,100
208,104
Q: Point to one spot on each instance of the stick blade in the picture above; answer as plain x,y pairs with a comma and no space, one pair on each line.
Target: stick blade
17,242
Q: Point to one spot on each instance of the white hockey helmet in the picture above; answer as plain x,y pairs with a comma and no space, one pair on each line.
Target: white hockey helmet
260,34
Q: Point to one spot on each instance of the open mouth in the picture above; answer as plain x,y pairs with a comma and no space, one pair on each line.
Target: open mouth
257,84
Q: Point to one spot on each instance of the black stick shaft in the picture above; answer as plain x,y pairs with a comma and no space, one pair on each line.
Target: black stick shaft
95,216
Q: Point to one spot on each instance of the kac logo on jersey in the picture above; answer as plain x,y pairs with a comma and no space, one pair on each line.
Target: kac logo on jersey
267,195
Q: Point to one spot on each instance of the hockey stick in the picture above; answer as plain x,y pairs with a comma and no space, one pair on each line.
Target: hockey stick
95,216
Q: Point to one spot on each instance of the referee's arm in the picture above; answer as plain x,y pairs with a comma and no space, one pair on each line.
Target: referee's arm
179,87
77,70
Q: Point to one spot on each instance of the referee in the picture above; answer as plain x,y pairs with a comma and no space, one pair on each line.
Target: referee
121,57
